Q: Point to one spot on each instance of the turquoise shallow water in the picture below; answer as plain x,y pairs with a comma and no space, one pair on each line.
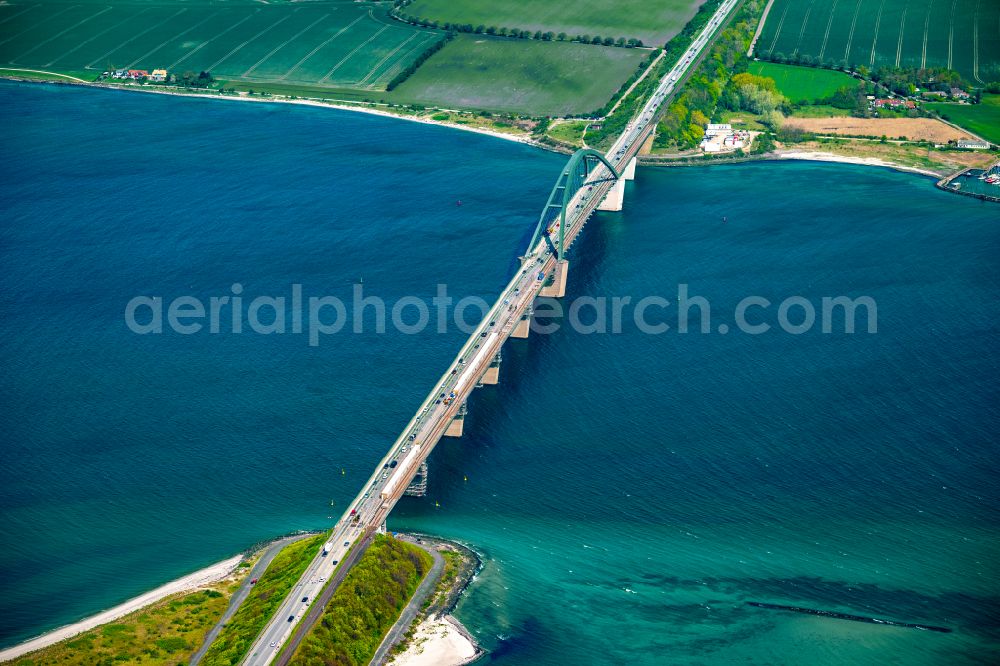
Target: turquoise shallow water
629,492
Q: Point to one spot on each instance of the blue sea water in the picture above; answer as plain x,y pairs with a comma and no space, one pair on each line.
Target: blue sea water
629,492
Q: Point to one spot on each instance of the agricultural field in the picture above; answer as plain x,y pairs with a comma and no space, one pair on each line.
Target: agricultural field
322,44
913,129
519,76
982,119
652,22
803,84
957,34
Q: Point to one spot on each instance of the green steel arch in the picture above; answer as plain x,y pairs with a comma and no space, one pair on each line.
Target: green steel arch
572,178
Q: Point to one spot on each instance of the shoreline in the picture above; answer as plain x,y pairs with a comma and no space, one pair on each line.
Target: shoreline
279,99
437,637
447,640
210,574
815,156
819,156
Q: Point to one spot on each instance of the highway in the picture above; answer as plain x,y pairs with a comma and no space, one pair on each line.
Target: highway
394,472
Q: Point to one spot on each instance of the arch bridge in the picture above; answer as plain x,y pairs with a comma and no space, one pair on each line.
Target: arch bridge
576,175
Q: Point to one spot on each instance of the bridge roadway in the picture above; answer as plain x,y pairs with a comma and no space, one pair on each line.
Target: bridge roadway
383,489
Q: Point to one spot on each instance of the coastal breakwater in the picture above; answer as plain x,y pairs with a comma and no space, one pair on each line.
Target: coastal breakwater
847,616
948,184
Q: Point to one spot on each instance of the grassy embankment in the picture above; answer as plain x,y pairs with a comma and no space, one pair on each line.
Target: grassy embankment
653,23
40,75
285,569
366,605
569,133
163,634
982,118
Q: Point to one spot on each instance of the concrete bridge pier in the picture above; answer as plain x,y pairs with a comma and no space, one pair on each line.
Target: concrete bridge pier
457,425
492,374
615,198
381,528
522,327
557,289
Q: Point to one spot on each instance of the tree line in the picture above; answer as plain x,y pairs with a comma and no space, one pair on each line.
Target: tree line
415,65
513,33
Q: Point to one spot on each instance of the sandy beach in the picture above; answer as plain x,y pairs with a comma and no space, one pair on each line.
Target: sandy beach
285,100
438,641
205,576
864,161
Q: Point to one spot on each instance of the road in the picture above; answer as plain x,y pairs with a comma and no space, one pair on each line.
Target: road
415,604
316,607
376,499
241,594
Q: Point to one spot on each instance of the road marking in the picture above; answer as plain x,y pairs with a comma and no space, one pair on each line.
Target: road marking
135,37
60,34
316,50
206,43
283,44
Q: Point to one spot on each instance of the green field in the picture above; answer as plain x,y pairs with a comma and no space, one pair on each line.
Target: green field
957,34
652,22
803,84
982,119
163,634
537,78
324,44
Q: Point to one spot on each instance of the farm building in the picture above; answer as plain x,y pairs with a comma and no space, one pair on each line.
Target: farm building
158,75
973,144
892,103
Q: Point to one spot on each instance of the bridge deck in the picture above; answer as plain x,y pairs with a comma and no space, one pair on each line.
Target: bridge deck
387,485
